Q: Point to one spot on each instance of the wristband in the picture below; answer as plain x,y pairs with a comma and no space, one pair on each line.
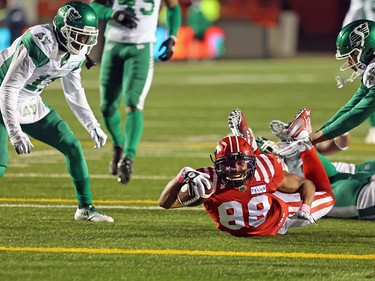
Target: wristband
339,146
306,208
180,176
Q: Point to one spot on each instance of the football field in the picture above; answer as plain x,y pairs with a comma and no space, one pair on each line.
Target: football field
185,116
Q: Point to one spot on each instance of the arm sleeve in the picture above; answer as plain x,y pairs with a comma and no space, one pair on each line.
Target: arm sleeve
174,19
19,71
104,13
352,114
76,98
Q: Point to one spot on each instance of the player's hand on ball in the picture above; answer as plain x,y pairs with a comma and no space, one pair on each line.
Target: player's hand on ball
125,18
196,187
21,143
198,182
99,137
168,45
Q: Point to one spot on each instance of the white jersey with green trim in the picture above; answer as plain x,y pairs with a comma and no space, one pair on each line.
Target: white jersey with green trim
27,67
147,11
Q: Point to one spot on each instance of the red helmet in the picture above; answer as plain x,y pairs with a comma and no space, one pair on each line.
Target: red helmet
235,162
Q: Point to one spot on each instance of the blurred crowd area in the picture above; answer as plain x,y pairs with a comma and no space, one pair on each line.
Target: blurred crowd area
214,29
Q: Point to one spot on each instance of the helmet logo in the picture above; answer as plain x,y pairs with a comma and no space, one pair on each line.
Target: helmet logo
70,13
358,35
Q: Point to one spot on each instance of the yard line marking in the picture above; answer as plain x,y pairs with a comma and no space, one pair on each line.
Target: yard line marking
114,207
58,200
187,252
66,175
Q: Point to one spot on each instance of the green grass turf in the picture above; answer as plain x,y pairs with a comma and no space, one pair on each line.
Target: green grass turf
185,115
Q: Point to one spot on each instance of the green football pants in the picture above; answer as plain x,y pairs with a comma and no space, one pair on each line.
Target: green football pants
126,75
54,131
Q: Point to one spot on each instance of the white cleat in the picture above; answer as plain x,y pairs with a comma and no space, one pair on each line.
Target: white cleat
278,128
300,127
91,214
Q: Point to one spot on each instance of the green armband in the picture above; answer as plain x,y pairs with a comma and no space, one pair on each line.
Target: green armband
174,20
104,13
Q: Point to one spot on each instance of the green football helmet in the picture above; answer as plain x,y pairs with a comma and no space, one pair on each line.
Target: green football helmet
76,26
356,44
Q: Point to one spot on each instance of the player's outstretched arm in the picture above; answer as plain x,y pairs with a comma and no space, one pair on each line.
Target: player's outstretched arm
168,198
335,145
306,188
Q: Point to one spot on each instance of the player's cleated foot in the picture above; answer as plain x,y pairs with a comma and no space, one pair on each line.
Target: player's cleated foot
266,146
237,124
278,128
89,213
234,119
300,127
117,154
370,138
125,170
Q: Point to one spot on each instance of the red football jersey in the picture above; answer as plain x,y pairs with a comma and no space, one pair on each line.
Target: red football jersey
251,209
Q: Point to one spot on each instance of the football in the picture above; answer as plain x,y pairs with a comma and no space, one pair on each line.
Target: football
185,197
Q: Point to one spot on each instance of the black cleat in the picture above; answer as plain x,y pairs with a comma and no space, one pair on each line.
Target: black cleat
124,170
117,154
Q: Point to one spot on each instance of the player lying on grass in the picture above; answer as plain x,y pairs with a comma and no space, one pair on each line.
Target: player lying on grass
353,184
251,193
43,54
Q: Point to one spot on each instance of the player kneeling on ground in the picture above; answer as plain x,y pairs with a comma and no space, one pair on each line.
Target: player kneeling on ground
43,54
249,194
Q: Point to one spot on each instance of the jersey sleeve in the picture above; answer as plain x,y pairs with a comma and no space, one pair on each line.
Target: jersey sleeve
104,13
39,44
352,114
76,98
19,70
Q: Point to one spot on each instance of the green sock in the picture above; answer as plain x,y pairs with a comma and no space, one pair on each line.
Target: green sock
113,125
133,132
83,191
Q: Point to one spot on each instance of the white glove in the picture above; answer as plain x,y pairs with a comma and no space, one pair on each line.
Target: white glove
99,137
293,147
199,182
21,143
304,214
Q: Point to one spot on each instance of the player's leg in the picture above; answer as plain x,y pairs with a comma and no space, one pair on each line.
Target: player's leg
55,132
314,171
355,195
3,147
138,75
366,201
111,73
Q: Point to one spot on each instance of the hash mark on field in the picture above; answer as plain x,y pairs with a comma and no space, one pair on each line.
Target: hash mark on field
97,176
187,252
114,207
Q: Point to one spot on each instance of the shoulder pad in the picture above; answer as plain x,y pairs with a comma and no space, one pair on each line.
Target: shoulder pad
40,43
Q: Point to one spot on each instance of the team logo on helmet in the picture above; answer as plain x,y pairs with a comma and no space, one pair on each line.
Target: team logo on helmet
70,13
358,35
